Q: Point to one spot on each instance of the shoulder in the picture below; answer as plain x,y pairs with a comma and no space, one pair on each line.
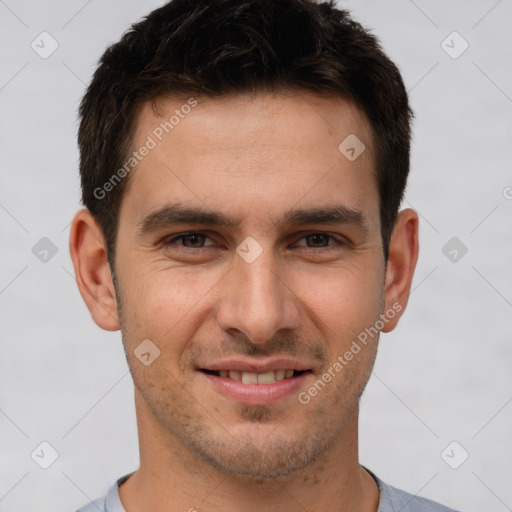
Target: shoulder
394,500
109,503
95,506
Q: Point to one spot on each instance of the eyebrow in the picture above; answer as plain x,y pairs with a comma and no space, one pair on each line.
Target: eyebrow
176,213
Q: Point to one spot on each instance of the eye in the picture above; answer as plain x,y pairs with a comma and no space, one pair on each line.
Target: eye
320,240
196,240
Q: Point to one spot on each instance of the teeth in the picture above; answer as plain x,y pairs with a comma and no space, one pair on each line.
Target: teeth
266,378
280,374
257,378
249,378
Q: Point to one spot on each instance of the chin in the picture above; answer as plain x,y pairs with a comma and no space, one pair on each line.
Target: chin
267,458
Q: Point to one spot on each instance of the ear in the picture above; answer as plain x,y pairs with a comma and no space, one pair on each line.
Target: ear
402,258
92,272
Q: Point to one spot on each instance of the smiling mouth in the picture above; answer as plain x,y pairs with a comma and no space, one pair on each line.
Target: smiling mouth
256,378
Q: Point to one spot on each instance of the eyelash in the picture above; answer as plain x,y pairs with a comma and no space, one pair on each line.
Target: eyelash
169,242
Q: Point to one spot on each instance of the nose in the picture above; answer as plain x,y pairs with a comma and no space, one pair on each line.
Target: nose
256,300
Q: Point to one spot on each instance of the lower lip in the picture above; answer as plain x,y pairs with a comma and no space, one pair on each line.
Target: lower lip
256,394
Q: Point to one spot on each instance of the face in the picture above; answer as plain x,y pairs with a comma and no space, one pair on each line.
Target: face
249,247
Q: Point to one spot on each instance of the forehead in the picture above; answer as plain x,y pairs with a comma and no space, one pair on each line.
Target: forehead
248,151
225,121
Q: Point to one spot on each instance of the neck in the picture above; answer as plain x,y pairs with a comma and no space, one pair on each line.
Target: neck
170,477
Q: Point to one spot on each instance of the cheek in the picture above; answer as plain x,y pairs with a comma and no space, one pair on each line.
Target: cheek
161,302
345,301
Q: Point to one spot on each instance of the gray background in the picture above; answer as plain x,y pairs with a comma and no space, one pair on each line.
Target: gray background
444,375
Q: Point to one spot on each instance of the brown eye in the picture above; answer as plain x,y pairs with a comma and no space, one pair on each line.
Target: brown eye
188,241
321,241
196,239
318,239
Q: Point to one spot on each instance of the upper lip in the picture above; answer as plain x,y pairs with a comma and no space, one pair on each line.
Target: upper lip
252,366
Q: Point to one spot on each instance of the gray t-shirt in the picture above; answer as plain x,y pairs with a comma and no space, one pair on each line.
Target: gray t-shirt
391,500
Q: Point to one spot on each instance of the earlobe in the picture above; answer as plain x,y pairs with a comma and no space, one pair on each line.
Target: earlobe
402,258
92,272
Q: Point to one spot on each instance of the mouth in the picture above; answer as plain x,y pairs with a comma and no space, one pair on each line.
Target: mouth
256,388
265,378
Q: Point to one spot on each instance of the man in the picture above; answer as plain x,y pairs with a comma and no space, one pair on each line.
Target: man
242,166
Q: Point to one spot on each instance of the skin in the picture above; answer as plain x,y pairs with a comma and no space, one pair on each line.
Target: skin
251,157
